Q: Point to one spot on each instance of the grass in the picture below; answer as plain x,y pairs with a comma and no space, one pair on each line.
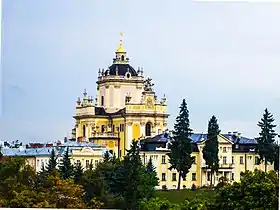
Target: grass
175,196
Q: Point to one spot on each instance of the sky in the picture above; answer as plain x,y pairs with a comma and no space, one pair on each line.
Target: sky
223,58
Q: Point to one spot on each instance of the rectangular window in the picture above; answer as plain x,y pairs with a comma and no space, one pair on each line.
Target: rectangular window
163,177
163,159
87,163
232,159
121,127
78,162
257,161
208,176
173,176
193,176
224,149
95,163
102,100
241,160
232,176
224,160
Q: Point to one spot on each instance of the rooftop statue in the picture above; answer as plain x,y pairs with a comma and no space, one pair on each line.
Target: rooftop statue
148,85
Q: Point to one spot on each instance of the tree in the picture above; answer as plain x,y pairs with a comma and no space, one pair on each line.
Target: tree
106,157
151,179
266,139
51,167
211,148
78,173
276,157
66,169
256,190
180,147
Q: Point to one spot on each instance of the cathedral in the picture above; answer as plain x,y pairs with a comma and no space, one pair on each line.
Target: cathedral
125,108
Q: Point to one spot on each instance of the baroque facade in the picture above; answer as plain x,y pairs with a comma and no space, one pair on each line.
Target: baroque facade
125,108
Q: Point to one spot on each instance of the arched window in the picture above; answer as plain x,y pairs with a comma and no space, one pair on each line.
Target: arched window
148,129
84,130
102,128
122,58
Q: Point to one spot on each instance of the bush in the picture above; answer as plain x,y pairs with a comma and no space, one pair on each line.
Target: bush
164,187
184,186
193,187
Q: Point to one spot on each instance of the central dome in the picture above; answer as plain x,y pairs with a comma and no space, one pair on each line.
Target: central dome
122,70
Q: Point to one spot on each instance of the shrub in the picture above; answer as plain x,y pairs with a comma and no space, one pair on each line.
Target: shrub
193,187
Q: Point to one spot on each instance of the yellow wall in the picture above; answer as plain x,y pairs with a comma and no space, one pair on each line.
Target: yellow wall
136,131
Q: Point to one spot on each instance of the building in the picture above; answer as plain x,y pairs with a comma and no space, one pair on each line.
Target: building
125,108
236,154
83,153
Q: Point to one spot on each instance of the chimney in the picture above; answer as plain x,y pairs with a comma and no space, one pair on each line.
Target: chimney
229,133
235,133
239,135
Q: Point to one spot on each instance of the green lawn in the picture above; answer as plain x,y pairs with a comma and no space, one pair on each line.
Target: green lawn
175,196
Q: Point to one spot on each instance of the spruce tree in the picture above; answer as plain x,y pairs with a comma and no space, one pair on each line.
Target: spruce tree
266,139
151,179
134,180
66,169
211,148
180,147
106,157
276,157
78,173
51,167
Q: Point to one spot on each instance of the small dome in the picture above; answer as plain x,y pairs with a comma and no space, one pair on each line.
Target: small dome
122,70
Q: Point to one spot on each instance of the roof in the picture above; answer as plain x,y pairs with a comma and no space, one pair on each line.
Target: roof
102,111
122,70
198,137
46,151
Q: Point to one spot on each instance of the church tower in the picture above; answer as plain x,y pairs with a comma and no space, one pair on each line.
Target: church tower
126,107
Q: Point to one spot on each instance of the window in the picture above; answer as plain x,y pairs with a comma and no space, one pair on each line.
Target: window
184,178
95,163
102,100
148,129
163,177
224,149
208,176
78,163
113,128
121,127
241,160
173,176
84,130
163,159
193,176
257,161
224,160
87,163
232,159
122,58
232,176
102,128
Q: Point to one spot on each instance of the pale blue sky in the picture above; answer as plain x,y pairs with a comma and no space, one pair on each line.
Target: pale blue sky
222,57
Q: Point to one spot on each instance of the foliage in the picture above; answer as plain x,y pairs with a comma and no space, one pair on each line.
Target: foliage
151,178
180,147
256,190
266,140
276,158
211,149
158,204
137,184
66,169
78,173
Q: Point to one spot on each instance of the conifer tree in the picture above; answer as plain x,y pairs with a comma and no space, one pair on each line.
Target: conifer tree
151,180
66,169
78,173
211,148
266,140
180,147
106,157
51,167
